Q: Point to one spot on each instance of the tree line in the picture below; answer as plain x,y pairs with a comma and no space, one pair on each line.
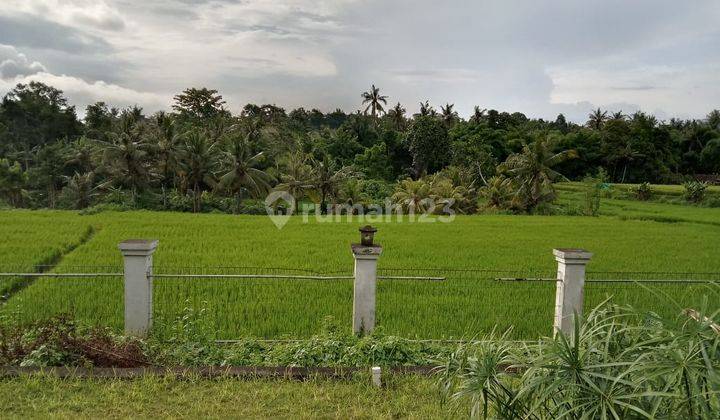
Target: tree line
201,157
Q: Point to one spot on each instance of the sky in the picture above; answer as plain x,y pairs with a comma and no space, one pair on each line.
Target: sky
537,57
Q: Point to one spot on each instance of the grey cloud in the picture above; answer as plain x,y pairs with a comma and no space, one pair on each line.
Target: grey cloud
14,63
639,87
26,30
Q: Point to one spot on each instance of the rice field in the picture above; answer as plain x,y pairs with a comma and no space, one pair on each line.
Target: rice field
467,303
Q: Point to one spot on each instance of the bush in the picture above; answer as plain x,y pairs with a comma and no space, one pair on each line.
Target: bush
593,190
694,191
60,341
643,192
619,363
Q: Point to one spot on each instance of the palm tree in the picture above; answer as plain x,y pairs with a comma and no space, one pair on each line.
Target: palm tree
242,173
327,178
596,119
397,114
126,155
198,163
80,187
167,148
532,174
496,192
478,114
296,176
618,116
426,109
374,100
351,193
412,195
449,116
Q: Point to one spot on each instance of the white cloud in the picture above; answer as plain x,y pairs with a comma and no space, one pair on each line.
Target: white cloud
682,90
82,13
81,93
14,63
539,58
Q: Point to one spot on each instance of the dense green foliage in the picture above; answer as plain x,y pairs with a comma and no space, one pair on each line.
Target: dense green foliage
201,157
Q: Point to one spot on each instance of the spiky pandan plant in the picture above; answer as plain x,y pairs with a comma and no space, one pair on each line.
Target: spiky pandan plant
619,363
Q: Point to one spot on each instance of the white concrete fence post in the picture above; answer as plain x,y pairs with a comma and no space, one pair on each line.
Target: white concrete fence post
138,262
366,255
570,287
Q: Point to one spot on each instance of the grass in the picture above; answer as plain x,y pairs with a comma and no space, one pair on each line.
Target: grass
166,397
463,305
31,239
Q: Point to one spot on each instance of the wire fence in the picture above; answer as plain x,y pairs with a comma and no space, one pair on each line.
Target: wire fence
272,302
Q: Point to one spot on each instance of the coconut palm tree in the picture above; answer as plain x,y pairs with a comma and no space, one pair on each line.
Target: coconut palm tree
198,163
619,116
449,115
497,191
532,174
426,109
241,173
596,119
397,115
125,155
296,177
351,194
374,100
412,196
478,114
327,178
167,149
81,189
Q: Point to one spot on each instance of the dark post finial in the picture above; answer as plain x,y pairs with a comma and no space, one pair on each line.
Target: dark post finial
367,234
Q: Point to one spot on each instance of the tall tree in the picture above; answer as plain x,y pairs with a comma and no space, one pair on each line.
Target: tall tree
199,104
199,162
296,175
426,109
532,173
429,145
449,115
596,119
35,114
125,156
327,178
478,114
374,100
240,171
167,147
397,115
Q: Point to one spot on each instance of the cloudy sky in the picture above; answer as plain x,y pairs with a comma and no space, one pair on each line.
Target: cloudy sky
537,57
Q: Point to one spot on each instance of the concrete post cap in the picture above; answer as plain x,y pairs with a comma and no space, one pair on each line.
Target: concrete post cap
572,254
138,246
362,251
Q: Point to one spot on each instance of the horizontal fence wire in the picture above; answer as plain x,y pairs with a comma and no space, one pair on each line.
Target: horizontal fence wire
274,302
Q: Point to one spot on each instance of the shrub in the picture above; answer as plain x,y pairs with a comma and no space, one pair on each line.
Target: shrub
618,363
59,341
643,192
593,190
694,191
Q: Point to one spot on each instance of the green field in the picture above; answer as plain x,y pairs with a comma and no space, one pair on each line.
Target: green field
633,237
